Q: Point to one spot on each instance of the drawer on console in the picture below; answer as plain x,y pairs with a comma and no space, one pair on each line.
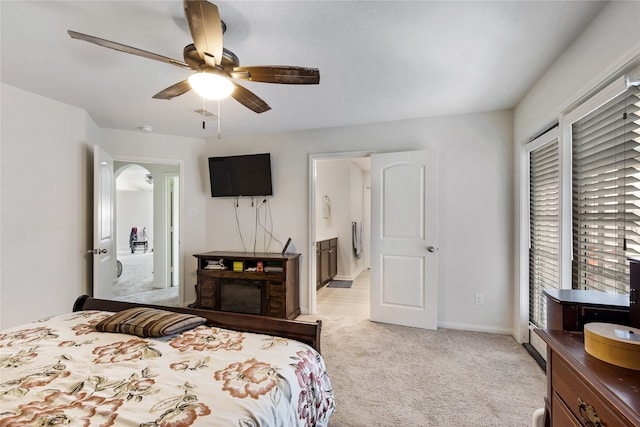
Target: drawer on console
207,303
206,287
212,274
580,399
277,308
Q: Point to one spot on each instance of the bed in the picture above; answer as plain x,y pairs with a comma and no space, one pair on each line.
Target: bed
205,368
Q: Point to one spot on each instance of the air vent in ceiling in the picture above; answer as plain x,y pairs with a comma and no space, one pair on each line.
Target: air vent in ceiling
205,114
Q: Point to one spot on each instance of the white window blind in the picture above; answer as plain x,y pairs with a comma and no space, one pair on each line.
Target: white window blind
606,194
544,228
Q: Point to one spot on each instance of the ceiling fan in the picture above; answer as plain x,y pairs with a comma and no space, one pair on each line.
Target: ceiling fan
207,56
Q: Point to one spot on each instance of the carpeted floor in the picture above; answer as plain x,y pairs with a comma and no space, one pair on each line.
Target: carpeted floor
135,284
387,375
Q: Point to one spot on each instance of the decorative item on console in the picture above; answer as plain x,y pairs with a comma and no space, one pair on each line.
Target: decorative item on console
215,264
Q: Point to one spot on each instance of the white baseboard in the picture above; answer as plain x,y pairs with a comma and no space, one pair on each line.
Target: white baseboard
475,328
352,277
537,343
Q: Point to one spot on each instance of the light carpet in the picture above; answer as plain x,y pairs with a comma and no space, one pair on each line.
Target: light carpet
135,284
388,375
137,274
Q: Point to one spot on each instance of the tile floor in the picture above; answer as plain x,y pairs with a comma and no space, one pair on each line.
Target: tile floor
346,302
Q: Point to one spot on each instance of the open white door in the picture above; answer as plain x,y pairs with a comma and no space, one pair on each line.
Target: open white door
404,248
104,254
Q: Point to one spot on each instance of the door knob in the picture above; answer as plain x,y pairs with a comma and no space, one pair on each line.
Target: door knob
431,249
98,251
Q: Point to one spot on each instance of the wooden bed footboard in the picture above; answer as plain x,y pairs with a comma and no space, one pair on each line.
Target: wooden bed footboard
306,332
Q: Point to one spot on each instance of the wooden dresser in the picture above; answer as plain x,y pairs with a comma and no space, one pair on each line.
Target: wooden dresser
585,391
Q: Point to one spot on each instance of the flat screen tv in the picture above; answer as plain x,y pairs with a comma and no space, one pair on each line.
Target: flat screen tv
236,176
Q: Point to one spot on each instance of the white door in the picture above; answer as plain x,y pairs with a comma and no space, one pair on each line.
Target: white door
174,222
404,248
104,254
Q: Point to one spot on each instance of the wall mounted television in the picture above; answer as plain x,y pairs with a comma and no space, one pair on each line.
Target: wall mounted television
244,175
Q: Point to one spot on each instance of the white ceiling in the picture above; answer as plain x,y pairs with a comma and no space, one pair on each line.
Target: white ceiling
378,60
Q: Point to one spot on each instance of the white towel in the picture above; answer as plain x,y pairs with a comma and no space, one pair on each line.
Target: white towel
357,239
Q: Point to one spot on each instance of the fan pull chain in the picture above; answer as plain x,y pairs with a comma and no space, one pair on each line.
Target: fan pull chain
204,117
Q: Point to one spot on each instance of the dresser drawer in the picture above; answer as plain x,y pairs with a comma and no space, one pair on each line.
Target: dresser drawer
579,398
561,415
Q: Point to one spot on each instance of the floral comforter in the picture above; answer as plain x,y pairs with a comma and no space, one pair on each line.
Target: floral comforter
62,371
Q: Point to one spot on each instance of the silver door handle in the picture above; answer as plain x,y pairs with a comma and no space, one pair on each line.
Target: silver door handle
431,249
97,251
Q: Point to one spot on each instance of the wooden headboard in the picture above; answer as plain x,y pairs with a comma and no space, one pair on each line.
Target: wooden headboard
306,332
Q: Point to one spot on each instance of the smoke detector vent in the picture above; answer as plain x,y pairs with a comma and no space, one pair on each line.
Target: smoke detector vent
205,114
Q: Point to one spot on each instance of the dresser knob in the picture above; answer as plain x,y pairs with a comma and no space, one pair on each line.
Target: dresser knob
589,415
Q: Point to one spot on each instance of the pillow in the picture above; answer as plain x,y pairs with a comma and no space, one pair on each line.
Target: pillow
149,322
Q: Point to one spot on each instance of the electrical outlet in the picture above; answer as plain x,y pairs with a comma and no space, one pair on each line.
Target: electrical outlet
479,299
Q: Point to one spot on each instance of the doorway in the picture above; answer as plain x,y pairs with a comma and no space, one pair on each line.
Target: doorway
404,207
339,219
147,232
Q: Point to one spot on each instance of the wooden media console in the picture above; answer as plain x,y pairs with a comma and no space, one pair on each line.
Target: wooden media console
266,284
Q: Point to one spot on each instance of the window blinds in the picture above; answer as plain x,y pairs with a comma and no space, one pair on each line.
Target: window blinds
544,222
606,194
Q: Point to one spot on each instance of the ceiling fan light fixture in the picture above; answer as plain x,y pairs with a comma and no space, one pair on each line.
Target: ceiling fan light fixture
211,85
